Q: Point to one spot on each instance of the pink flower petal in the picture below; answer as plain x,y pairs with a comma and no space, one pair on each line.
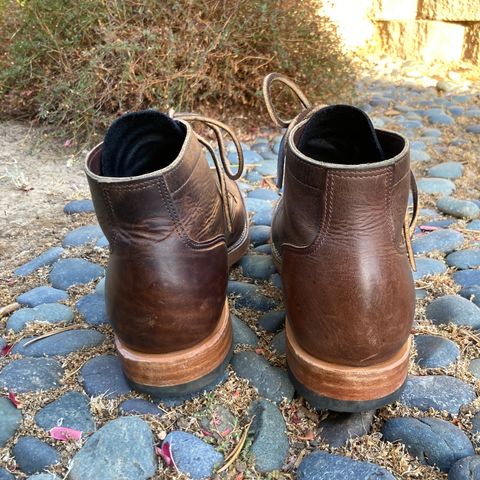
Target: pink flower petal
428,228
13,398
64,434
166,454
6,350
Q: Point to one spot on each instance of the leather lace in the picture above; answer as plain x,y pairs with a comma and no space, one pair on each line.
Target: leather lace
269,80
221,164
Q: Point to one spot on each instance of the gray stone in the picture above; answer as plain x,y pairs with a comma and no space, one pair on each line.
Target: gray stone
74,271
474,225
259,235
272,321
79,206
250,157
439,392
10,419
473,129
258,205
103,375
82,236
102,242
6,475
276,280
92,309
440,119
31,375
242,333
444,241
43,260
250,296
279,343
454,309
138,406
268,168
264,249
474,367
258,267
465,259
264,194
472,294
434,442
60,344
121,449
71,410
435,185
326,466
263,218
435,352
428,266
431,132
32,455
217,421
458,208
338,428
450,170
419,156
467,278
270,442
192,456
46,312
467,468
271,382
43,294
100,288
42,476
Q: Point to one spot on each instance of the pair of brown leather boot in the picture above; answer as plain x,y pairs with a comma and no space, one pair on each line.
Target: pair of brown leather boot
175,227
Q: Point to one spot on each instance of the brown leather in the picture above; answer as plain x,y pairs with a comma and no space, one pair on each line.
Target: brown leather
169,251
337,237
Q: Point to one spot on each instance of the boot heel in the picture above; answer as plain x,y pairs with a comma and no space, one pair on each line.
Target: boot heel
182,372
345,388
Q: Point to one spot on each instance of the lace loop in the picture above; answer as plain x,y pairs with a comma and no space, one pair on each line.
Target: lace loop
408,227
268,81
222,166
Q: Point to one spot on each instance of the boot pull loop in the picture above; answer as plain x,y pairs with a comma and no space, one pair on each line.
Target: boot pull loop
268,81
409,227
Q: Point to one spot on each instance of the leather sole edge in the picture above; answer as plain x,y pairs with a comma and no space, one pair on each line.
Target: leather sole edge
330,383
180,372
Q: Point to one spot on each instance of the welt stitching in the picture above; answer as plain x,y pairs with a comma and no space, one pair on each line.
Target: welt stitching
401,180
108,201
172,213
388,204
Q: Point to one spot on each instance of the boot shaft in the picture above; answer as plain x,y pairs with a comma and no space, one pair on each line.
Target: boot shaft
337,236
167,272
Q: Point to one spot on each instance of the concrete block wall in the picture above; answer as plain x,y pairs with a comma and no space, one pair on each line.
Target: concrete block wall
428,30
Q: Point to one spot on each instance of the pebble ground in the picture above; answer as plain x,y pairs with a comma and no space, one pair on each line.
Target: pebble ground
73,380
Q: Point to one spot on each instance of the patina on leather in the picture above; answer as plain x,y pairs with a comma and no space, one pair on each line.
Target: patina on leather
170,247
338,237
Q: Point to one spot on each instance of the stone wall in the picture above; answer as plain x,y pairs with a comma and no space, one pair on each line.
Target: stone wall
429,30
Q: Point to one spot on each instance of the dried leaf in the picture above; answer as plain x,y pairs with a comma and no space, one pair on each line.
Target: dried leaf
65,434
309,436
428,228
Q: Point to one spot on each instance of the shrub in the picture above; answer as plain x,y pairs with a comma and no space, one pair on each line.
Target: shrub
77,64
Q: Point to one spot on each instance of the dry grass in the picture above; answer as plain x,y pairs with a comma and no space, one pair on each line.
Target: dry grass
77,65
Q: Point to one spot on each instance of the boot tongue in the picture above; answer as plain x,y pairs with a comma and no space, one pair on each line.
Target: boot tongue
141,142
341,134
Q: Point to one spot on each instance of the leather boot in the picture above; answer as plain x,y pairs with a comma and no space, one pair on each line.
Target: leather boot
174,228
342,244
